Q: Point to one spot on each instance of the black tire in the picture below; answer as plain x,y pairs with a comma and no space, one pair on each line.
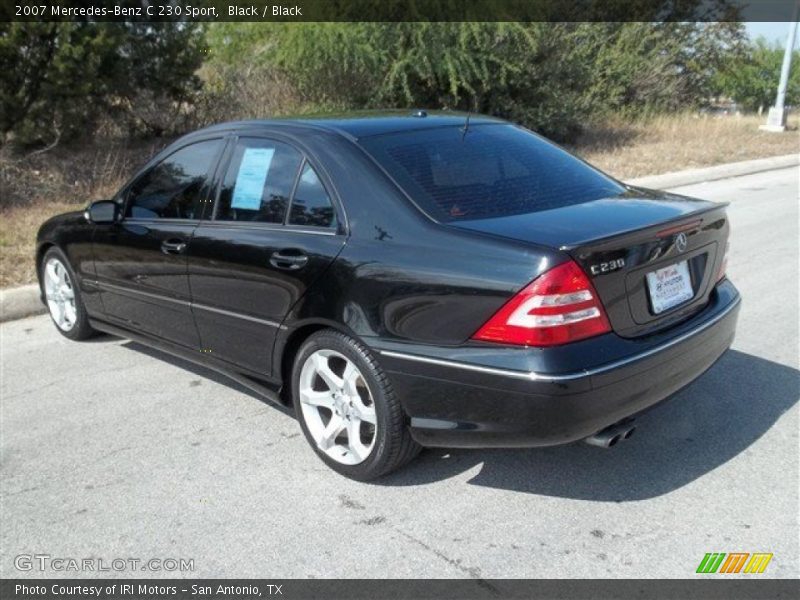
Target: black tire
393,445
81,329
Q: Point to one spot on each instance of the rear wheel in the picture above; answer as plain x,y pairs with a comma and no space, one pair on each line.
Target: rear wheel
63,296
347,408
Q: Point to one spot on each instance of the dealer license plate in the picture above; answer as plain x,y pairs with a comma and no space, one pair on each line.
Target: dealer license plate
670,286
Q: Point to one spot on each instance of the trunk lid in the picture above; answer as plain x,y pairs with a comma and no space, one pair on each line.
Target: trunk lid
618,241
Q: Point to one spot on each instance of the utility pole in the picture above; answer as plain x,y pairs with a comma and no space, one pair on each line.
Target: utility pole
776,120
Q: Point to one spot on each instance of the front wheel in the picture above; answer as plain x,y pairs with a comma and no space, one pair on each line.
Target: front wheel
63,297
347,408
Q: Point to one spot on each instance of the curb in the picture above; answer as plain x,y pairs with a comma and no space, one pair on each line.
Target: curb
16,303
692,176
19,302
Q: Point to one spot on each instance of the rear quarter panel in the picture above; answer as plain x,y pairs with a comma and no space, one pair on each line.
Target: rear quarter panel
402,277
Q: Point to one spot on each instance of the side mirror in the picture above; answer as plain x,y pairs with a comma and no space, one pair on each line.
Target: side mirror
102,211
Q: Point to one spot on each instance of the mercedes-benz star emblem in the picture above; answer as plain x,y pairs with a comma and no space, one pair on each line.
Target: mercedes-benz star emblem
680,242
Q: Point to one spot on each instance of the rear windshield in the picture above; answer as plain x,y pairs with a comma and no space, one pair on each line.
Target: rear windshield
489,171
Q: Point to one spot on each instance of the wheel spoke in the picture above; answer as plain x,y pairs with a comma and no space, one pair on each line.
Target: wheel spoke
69,312
58,312
354,442
350,378
59,274
51,275
315,398
324,370
334,427
364,412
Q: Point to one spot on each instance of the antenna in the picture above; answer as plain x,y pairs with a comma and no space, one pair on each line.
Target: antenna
465,128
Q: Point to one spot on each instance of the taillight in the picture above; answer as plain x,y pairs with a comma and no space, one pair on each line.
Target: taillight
558,307
723,266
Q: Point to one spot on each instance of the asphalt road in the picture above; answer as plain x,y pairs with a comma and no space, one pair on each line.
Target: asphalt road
109,450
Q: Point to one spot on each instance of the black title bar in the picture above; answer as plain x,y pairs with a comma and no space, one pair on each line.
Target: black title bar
398,10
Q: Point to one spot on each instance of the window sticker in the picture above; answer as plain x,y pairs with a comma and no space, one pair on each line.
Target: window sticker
252,176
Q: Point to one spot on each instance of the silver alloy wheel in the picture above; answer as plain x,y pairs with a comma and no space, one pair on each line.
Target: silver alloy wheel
60,294
337,407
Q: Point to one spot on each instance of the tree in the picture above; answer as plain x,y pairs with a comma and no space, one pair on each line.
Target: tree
48,79
649,67
550,76
753,80
157,80
523,71
57,79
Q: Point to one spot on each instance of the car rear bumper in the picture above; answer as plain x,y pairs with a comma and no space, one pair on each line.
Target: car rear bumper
466,398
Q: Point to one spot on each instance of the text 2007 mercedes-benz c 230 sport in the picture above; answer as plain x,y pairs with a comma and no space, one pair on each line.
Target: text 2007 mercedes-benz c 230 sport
404,280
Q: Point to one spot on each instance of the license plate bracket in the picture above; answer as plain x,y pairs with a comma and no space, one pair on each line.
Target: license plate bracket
670,286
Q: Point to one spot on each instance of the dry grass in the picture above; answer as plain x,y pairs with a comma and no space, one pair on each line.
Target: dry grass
70,173
18,228
677,142
32,191
34,188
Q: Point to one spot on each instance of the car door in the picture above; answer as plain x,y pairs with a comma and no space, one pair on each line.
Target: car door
256,257
141,260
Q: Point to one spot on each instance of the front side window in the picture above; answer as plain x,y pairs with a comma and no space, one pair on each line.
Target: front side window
175,187
258,182
311,205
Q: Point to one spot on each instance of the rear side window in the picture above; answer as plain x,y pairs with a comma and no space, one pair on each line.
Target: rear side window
489,171
259,181
311,204
175,187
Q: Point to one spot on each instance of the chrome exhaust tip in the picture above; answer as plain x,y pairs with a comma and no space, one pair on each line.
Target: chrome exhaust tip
611,435
603,439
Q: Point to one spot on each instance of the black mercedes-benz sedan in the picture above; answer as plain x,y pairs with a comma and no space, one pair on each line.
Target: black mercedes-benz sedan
404,280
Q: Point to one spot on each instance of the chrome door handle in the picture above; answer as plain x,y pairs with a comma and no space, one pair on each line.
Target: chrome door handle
173,246
288,262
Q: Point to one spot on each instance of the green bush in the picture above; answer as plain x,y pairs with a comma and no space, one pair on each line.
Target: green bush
527,72
552,77
57,80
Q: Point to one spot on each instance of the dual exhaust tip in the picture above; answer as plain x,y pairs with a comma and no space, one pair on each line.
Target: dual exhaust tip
612,435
